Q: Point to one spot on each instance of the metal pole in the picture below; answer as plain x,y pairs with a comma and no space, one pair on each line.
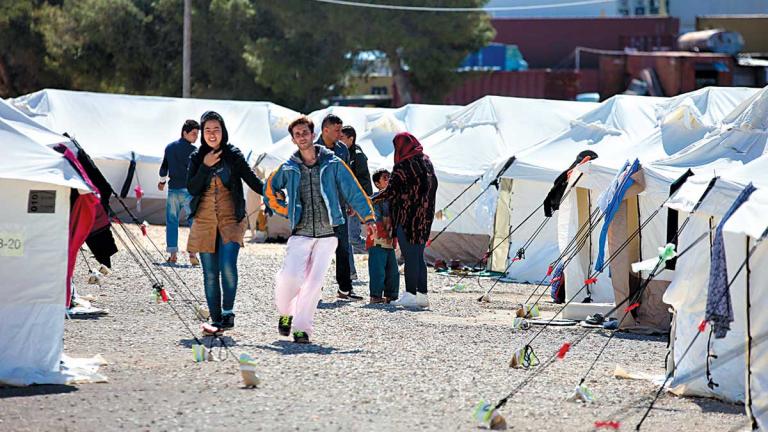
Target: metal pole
187,49
578,58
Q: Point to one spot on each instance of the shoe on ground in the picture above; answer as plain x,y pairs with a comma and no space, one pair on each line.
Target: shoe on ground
300,337
210,329
406,300
596,319
377,300
389,300
172,259
284,325
348,295
228,322
193,260
422,300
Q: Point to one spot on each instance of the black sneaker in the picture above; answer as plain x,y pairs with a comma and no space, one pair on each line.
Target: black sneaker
300,337
284,325
348,295
228,322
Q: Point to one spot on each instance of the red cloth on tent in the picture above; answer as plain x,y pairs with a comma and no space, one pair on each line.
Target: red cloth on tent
81,220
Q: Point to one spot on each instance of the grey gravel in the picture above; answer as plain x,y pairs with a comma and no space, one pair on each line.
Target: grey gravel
369,368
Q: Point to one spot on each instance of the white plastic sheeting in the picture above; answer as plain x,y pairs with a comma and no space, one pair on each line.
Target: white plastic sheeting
111,126
607,129
682,124
469,143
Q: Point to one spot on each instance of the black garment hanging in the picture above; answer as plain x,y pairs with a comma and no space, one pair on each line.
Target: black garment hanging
555,195
129,177
672,216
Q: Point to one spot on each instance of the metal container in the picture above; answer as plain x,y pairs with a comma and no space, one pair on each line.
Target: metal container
715,41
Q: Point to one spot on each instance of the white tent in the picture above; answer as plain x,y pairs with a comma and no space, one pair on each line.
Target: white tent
465,147
681,122
608,130
115,128
35,184
737,155
375,129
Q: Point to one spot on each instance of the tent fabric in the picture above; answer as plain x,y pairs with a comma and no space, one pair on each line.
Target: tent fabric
35,186
496,128
681,123
112,126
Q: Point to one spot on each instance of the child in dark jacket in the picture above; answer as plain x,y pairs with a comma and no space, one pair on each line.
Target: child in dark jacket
382,262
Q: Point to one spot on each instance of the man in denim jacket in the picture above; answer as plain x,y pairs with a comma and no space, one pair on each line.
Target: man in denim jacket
315,183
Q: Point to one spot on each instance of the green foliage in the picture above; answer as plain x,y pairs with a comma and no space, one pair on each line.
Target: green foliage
293,52
430,45
22,50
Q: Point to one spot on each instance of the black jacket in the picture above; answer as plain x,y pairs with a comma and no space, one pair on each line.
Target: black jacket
199,178
358,163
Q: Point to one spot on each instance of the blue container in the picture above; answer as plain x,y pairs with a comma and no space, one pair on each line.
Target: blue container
494,56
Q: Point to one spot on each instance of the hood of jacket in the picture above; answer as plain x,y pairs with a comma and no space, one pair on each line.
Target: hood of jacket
213,115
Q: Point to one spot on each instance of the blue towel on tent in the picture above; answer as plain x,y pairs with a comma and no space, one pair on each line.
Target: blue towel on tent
609,203
719,307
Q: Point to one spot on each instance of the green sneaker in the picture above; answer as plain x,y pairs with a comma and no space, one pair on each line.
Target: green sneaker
300,337
284,325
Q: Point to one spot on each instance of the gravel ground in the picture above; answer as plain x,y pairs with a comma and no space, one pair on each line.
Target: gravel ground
369,368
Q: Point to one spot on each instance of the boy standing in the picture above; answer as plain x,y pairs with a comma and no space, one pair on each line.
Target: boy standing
315,183
382,262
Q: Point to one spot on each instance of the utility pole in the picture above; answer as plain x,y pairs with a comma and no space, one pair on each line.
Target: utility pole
187,49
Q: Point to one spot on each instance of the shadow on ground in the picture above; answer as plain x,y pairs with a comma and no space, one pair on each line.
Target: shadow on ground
290,348
35,390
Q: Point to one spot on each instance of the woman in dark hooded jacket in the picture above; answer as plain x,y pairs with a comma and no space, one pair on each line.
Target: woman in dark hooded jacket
411,193
215,180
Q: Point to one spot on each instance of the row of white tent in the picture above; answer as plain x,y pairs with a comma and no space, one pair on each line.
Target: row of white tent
115,129
714,132
717,133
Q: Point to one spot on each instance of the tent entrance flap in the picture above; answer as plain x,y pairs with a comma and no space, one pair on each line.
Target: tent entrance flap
497,261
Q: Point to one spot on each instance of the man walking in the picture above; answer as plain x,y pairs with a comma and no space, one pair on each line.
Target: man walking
329,138
358,163
175,161
316,184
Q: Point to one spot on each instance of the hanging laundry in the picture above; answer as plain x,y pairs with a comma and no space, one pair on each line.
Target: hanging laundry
672,216
719,307
555,195
609,203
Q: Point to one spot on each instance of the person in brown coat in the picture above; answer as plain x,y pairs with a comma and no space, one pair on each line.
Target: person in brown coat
215,181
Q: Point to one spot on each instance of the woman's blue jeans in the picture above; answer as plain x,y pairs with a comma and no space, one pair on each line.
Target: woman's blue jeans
220,278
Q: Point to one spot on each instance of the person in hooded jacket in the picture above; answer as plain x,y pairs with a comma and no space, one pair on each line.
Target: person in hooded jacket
411,192
215,180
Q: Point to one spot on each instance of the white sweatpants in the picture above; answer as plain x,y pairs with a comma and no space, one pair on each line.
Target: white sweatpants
300,281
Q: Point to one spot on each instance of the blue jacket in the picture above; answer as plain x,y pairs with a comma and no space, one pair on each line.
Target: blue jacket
339,149
336,183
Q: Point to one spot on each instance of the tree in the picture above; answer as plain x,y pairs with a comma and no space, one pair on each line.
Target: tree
22,50
423,48
134,46
305,55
